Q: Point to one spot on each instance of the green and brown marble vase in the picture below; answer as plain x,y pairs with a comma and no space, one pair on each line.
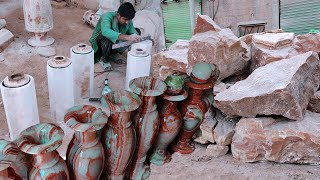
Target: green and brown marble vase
118,136
40,142
196,105
8,157
170,119
146,121
85,153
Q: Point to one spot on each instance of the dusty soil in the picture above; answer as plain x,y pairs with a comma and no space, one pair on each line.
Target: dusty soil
68,31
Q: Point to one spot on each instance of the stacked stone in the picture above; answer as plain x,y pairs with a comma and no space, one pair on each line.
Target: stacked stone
274,87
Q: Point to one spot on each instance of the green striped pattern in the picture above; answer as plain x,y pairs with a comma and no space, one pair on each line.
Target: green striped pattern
299,16
177,20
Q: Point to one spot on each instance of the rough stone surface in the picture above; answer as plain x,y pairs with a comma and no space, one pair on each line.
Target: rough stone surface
1,57
3,23
6,37
222,48
216,150
314,103
273,40
180,44
207,127
279,140
307,42
279,88
46,51
175,59
270,47
225,128
204,24
218,88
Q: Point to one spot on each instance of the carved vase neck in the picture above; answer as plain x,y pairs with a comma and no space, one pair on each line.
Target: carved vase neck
121,119
148,104
46,160
86,139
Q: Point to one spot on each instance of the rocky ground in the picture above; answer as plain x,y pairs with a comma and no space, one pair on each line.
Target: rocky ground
69,30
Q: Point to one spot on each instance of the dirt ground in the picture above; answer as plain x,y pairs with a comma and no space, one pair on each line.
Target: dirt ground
68,31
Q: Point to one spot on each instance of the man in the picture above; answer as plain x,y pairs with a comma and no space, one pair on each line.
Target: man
113,27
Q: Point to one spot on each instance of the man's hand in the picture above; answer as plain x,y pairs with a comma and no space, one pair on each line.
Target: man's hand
133,38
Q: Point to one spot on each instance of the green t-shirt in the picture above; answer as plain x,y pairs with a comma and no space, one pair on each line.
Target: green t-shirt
108,26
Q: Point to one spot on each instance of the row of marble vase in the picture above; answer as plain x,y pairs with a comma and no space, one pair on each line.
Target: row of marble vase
118,139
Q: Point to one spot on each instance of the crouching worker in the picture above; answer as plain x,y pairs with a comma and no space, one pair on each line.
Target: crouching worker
112,28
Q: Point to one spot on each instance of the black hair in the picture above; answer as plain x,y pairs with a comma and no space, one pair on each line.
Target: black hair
127,10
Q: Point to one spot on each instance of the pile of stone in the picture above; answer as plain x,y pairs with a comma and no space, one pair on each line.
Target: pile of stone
267,105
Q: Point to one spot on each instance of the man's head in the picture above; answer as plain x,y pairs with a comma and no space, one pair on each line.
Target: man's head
126,13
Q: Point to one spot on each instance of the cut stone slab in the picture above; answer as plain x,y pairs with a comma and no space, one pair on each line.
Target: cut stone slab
307,42
216,150
279,88
3,23
46,51
207,127
225,129
222,48
262,56
180,44
6,37
314,103
273,40
271,47
278,140
205,23
174,59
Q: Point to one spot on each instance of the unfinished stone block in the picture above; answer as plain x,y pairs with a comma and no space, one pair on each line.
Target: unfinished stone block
273,40
307,42
180,44
218,88
216,150
278,140
270,47
225,129
6,37
314,103
222,48
204,24
207,127
279,88
174,59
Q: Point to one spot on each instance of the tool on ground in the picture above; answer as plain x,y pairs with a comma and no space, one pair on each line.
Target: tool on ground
128,43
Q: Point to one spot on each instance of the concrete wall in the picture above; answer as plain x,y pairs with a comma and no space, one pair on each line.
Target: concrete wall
231,12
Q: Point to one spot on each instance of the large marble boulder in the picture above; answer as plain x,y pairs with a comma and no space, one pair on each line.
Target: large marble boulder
279,88
222,48
278,140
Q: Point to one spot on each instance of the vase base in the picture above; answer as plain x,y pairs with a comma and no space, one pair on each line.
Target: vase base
37,43
160,159
183,148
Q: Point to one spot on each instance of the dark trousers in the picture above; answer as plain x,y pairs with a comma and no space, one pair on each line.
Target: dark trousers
105,47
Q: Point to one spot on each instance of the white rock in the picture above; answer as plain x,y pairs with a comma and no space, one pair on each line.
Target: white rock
216,150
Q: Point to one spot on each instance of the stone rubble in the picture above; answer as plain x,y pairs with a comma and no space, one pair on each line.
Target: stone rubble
222,48
216,150
279,88
279,140
225,129
204,24
314,103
